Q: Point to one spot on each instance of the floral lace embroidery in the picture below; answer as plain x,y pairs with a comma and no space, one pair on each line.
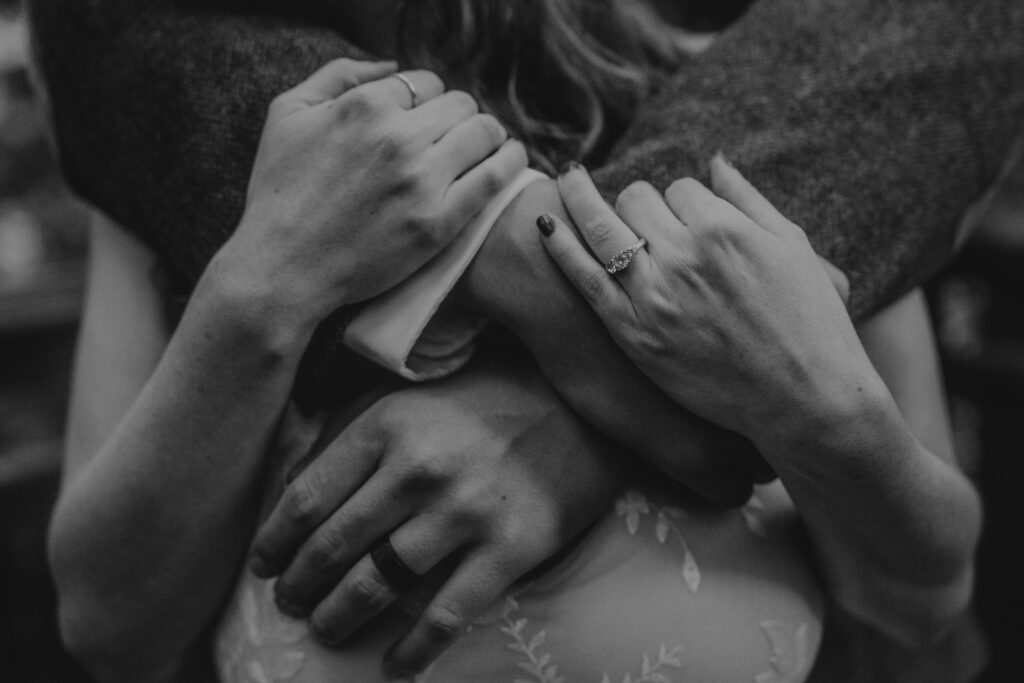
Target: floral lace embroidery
537,665
632,506
790,657
652,673
541,669
259,650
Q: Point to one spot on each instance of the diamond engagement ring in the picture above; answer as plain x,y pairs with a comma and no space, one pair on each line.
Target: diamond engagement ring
621,261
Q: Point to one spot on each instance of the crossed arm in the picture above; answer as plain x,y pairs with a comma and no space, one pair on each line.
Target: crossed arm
804,124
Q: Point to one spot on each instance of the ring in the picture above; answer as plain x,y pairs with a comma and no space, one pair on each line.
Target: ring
411,87
393,569
621,261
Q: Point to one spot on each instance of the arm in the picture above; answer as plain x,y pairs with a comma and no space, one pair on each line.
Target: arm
798,119
151,519
729,97
730,311
161,477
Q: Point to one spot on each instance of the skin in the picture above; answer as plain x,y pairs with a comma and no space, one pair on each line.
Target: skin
178,431
573,381
726,282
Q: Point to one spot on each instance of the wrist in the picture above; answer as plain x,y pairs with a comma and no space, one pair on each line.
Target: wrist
856,417
500,281
267,316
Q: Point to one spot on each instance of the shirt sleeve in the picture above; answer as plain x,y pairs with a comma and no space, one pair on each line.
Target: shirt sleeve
402,329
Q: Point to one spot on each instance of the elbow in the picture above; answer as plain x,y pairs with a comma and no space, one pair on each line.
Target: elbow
87,624
918,607
82,641
102,652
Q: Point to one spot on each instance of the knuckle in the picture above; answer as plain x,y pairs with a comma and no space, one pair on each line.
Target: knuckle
592,286
278,102
432,80
490,129
600,229
680,189
358,104
425,232
637,192
326,551
492,180
424,469
520,157
301,501
463,101
368,592
393,146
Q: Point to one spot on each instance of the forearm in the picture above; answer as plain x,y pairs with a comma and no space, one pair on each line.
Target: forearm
513,282
149,533
894,526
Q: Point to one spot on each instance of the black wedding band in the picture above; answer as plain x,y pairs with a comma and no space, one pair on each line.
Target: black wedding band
393,569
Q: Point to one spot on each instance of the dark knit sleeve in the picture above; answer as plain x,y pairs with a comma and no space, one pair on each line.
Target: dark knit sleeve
158,106
874,124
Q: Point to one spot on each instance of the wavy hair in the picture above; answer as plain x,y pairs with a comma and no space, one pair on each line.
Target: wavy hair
564,75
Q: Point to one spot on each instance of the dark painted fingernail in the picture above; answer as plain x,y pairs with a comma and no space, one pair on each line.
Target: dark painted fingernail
570,166
546,225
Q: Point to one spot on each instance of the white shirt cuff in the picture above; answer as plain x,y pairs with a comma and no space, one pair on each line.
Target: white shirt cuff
399,329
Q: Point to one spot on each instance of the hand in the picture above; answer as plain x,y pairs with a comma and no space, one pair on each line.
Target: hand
728,308
513,282
354,188
472,469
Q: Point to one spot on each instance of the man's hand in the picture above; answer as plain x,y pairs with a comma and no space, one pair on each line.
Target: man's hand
359,180
466,477
513,282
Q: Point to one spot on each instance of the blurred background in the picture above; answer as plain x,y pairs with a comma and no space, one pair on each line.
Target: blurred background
976,302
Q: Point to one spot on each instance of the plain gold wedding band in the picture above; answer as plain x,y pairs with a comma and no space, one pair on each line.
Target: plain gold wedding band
411,87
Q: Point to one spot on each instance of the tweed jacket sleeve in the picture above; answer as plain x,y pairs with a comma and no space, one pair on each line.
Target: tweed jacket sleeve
873,123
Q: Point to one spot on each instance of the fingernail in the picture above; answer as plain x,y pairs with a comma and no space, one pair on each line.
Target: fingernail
259,566
725,159
292,609
546,225
570,166
393,670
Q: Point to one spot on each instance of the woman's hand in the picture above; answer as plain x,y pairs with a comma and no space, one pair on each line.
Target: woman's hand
514,283
471,469
727,308
358,182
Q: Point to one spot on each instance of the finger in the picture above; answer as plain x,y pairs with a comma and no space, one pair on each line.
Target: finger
468,195
466,145
838,278
336,78
643,208
593,282
426,84
476,584
337,544
604,232
701,210
438,116
313,496
730,185
422,543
